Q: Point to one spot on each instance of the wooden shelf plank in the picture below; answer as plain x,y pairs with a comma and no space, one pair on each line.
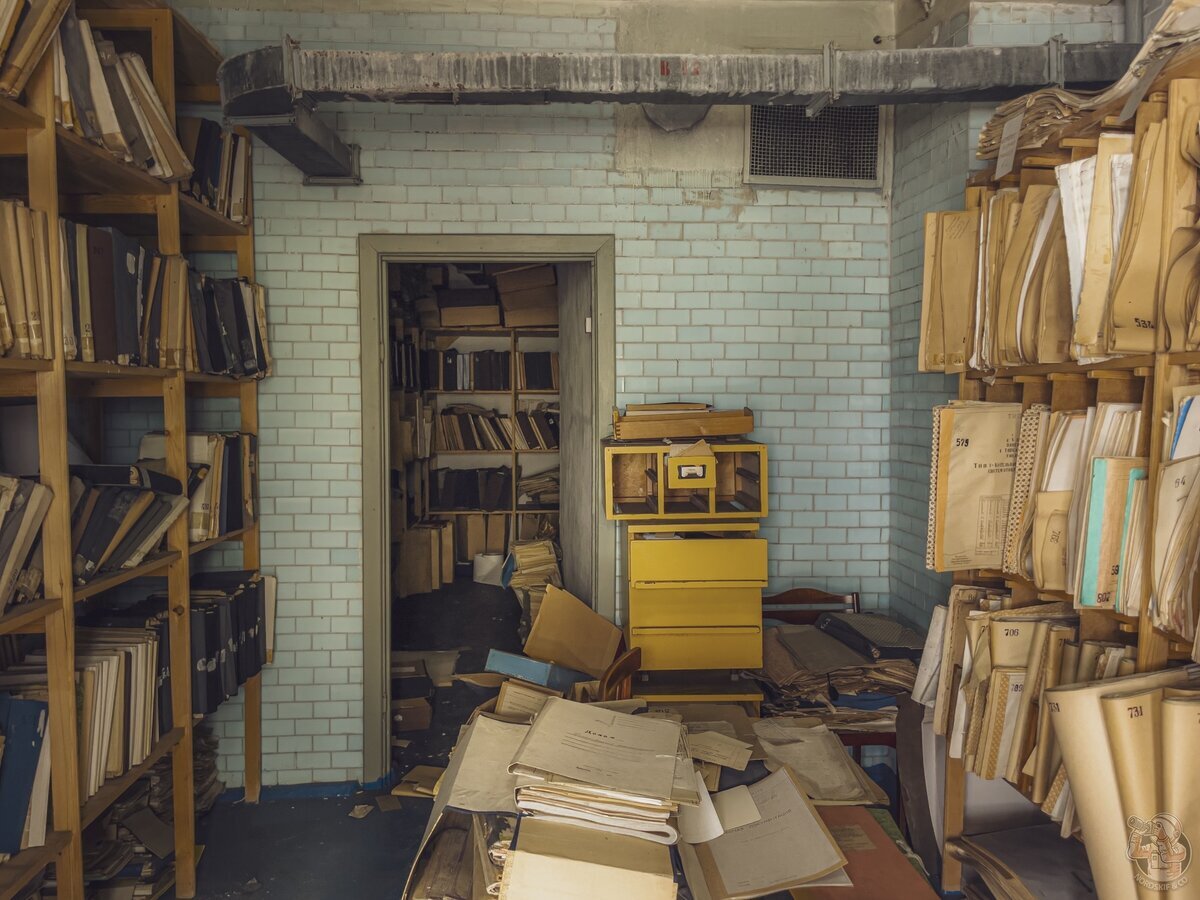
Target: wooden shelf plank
15,116
112,789
25,365
201,546
198,220
113,579
78,369
1119,362
28,864
22,615
90,169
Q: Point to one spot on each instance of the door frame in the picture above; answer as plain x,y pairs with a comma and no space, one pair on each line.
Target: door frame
375,251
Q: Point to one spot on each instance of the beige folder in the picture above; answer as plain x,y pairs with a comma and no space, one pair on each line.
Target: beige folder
1180,738
1088,335
1133,304
976,462
1050,536
1133,721
1075,713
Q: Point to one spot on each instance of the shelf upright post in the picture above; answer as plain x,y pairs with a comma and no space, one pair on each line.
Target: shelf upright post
174,397
42,158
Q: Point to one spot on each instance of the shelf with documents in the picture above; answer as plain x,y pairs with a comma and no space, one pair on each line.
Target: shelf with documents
18,872
1147,380
201,546
115,579
115,787
60,173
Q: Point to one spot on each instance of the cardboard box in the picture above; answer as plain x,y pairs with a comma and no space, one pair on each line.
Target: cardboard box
468,306
567,632
411,715
419,565
525,278
471,537
534,671
531,318
496,533
411,693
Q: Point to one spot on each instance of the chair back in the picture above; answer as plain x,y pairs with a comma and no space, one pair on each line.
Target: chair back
617,681
803,606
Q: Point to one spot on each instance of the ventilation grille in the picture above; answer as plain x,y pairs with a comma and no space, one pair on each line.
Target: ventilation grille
839,146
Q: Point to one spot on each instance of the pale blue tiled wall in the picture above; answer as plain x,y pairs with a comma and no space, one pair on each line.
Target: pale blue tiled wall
771,298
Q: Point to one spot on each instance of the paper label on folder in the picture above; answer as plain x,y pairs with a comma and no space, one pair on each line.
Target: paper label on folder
1007,156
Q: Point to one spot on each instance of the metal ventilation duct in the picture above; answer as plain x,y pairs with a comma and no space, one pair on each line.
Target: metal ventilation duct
274,90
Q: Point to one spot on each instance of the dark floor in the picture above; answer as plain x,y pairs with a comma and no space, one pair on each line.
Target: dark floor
309,849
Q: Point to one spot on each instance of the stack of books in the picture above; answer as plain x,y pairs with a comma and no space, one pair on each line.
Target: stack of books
540,491
119,515
25,267
537,428
26,30
220,177
473,428
24,762
226,331
454,370
468,489
537,371
23,506
109,98
223,483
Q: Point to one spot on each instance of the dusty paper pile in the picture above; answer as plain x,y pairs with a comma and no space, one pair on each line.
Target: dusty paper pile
1177,517
598,769
820,763
534,566
803,665
1042,114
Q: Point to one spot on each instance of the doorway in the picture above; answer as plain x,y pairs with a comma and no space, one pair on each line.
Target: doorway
586,353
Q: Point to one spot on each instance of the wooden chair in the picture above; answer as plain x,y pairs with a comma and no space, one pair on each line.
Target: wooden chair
617,681
803,606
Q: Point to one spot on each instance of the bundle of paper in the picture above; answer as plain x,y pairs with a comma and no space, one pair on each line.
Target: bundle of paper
1113,734
788,846
604,770
1027,863
842,719
1039,116
539,491
816,756
1176,537
535,564
974,454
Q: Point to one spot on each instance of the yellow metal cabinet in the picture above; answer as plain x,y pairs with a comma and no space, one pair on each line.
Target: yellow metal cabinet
695,595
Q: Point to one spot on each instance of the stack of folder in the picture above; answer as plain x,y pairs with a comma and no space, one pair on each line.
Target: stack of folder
109,98
24,763
220,160
468,427
454,370
26,31
25,280
1176,534
537,371
635,795
486,490
119,516
223,487
538,490
23,505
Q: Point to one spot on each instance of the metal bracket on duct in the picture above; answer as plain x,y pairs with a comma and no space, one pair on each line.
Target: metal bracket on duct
274,90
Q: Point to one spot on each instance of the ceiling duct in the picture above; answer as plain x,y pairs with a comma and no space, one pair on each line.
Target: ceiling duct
274,90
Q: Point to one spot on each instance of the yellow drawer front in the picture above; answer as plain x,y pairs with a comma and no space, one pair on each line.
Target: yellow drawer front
733,562
732,647
695,606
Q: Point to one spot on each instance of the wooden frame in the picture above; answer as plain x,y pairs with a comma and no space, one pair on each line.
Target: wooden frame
374,252
1146,379
67,175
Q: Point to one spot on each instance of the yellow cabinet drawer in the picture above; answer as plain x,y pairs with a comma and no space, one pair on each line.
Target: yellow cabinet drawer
717,647
695,606
715,562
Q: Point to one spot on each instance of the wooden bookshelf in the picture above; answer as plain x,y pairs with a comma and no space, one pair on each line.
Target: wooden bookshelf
1145,379
64,174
